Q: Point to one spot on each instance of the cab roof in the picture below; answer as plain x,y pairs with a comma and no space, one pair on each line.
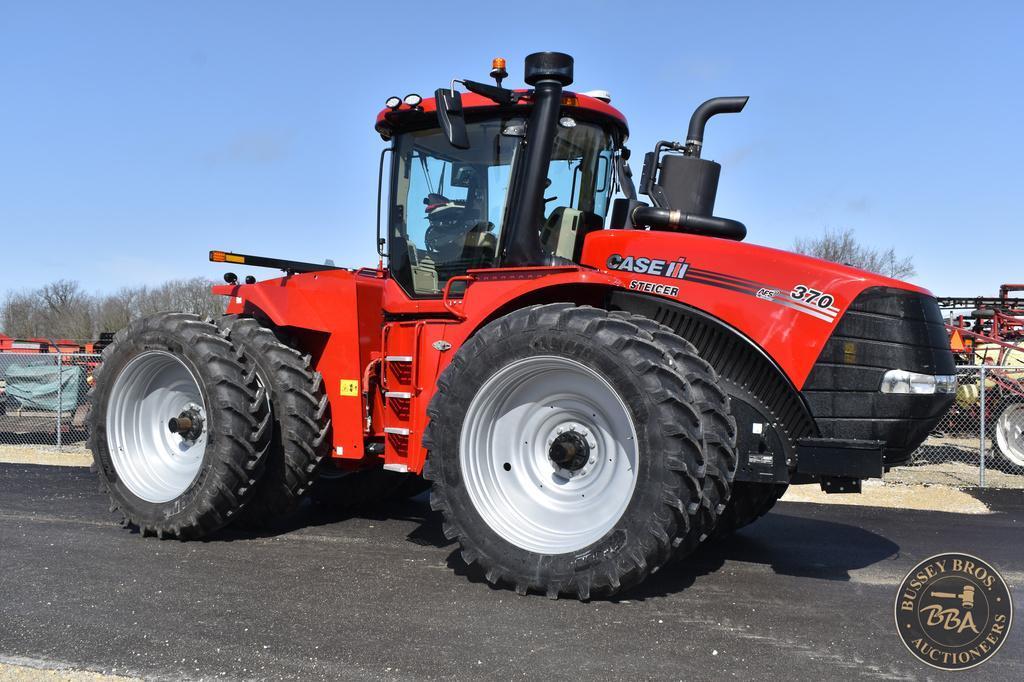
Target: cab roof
391,121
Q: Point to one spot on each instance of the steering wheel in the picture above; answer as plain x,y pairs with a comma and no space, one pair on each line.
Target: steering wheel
450,223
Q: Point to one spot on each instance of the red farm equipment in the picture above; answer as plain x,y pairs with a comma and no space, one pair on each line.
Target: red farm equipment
991,334
591,387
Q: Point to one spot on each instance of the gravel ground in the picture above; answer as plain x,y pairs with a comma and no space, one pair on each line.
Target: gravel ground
34,454
31,670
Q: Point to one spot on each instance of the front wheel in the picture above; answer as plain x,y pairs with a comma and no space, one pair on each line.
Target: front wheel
1009,432
566,452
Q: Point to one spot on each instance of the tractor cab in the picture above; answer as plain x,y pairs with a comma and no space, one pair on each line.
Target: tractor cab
458,205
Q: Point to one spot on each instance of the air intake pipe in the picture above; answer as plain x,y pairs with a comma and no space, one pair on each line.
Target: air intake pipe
682,186
675,220
548,73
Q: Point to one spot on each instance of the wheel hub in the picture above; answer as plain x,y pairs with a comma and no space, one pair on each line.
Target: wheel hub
572,450
188,424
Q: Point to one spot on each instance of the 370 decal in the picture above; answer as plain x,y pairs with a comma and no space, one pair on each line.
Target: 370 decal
813,296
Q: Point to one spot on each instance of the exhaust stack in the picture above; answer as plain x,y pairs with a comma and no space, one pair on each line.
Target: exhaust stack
682,186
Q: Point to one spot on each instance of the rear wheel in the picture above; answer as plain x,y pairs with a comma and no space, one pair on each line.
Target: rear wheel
566,452
750,501
1009,433
175,426
299,438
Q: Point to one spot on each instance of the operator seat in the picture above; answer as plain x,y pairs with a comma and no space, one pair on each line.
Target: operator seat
481,246
563,232
424,271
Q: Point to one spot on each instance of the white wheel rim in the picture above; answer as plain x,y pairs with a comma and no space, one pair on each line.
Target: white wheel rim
154,463
505,454
1010,434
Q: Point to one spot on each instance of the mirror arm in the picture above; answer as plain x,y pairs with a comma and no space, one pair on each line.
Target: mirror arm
380,187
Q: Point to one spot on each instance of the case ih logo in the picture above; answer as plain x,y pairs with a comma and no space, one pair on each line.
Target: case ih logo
649,266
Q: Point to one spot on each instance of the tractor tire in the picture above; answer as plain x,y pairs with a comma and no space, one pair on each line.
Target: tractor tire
567,452
174,371
750,501
299,439
1009,436
717,425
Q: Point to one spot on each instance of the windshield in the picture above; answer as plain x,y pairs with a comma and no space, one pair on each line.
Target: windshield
448,205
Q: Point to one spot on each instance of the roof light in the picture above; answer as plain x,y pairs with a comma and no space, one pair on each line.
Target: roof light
602,95
498,72
412,100
393,103
567,122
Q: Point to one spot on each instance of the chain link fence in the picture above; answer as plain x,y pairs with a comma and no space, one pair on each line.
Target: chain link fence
43,399
979,442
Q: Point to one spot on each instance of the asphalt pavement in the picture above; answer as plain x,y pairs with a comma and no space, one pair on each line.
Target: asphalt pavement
804,593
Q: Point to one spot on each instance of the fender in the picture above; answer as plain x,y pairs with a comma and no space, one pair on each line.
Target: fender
337,315
787,301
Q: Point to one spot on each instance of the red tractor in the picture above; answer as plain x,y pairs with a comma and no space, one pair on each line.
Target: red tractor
591,387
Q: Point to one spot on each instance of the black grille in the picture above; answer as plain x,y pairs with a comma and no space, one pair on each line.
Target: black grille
884,328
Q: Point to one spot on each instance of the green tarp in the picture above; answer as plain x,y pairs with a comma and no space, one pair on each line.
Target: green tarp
45,387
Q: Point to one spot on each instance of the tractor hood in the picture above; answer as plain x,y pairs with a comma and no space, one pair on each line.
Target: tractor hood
789,302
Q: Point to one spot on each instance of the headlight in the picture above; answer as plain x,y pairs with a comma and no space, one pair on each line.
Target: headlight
902,381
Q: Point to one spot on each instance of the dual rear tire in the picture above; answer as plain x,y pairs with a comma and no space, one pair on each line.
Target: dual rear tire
195,425
178,427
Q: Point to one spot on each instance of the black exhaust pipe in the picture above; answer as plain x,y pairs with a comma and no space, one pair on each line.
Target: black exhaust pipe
548,73
699,119
682,186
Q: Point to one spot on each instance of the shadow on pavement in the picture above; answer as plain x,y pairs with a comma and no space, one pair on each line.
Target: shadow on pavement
791,545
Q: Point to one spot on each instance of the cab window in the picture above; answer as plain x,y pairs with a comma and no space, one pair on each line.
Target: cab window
448,205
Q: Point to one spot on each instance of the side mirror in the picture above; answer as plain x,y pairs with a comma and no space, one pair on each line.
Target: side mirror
451,118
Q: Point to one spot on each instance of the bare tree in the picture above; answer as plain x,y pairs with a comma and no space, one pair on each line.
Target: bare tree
68,310
22,316
115,311
185,295
62,310
840,246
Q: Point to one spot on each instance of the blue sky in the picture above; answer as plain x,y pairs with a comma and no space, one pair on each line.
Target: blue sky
136,136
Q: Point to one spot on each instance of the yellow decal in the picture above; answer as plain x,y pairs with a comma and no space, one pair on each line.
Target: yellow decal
349,387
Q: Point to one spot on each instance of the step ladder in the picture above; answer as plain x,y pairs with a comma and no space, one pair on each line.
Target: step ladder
402,433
